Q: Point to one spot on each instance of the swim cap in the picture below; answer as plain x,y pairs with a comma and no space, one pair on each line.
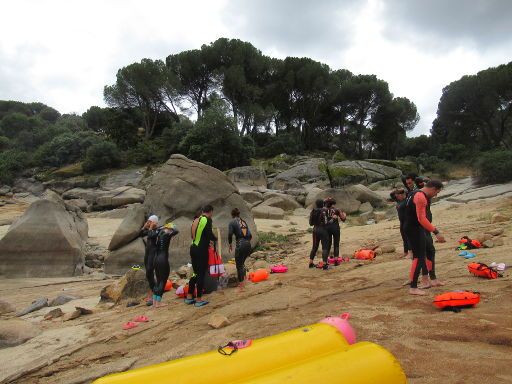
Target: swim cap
153,218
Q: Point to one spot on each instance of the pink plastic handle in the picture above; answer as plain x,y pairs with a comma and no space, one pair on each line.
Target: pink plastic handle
345,316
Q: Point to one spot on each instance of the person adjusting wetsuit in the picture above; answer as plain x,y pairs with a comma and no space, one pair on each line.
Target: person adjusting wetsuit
240,230
162,268
416,227
202,235
317,218
149,230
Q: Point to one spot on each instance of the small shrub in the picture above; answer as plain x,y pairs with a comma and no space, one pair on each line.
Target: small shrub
338,156
103,155
69,170
494,167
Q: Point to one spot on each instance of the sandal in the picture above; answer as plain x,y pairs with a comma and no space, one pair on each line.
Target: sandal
200,303
141,319
189,301
129,325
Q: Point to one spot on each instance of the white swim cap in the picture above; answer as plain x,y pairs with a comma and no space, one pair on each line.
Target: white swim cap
153,218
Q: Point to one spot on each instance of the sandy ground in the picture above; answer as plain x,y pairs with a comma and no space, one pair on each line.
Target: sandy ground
474,346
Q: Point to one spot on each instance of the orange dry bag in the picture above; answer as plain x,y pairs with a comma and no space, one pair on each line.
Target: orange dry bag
258,275
482,270
364,254
457,299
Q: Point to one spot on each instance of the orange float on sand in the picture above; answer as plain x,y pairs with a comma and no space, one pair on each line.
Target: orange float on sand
364,254
168,286
258,275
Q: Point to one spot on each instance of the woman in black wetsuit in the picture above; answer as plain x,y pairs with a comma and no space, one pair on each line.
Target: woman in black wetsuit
162,268
399,196
149,231
238,228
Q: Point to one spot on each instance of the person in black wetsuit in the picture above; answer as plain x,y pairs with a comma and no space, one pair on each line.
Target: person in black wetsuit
202,235
162,268
149,230
333,217
399,196
317,218
238,228
408,182
416,226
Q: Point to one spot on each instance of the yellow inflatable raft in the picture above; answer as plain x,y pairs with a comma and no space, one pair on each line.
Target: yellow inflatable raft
312,354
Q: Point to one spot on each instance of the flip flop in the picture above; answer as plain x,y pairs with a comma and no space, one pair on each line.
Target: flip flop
200,303
189,301
463,253
469,255
129,325
141,319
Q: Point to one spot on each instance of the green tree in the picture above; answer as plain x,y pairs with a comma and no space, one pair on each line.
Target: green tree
214,139
476,110
147,86
391,123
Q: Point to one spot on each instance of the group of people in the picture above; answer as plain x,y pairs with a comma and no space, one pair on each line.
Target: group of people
325,219
413,206
412,203
156,258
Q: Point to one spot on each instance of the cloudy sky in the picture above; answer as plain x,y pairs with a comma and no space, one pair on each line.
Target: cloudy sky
63,52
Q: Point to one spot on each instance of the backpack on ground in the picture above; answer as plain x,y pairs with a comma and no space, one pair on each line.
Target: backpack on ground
215,264
461,299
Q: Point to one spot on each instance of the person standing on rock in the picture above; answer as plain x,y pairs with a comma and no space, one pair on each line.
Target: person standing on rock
149,230
202,235
416,227
317,218
333,217
238,228
162,268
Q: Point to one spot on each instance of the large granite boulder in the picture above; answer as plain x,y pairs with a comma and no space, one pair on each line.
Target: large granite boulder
129,228
28,185
101,199
349,198
121,178
286,183
177,190
305,170
248,175
252,196
123,258
47,241
285,202
363,171
268,212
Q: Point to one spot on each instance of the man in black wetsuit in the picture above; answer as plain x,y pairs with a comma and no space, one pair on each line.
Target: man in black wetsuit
238,228
162,268
202,235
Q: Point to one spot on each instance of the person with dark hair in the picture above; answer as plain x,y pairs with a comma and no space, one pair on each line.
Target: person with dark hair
202,235
408,182
239,228
317,218
420,181
333,217
399,197
162,268
150,232
417,225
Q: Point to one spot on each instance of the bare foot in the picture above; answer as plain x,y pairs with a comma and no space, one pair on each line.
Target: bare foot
416,291
436,283
408,282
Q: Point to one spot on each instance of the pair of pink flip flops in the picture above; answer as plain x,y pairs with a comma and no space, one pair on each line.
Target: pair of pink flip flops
135,322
